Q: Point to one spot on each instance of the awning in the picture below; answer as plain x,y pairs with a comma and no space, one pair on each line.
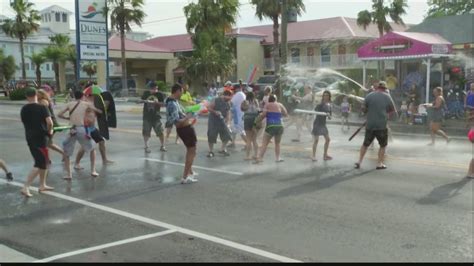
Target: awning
405,45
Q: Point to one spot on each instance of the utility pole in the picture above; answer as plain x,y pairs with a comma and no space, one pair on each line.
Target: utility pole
284,42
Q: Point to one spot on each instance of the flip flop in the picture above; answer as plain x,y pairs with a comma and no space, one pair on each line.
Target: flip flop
381,167
280,161
94,174
327,158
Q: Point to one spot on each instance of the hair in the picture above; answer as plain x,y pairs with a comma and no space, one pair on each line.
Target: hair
227,93
268,89
439,90
78,95
30,92
272,98
43,95
250,96
175,88
327,92
472,86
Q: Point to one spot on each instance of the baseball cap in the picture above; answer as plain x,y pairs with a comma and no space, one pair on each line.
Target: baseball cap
30,92
383,84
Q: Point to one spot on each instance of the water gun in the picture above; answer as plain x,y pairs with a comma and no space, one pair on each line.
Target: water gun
61,128
197,108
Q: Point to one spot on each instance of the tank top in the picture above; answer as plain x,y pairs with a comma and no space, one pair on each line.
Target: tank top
274,119
345,107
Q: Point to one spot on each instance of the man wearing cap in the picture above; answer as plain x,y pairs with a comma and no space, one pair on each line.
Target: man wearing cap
152,101
378,105
38,126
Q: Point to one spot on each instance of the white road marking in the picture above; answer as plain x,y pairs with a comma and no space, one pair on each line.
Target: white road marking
195,166
108,245
147,220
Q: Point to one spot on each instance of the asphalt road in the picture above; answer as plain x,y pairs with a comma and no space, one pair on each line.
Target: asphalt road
420,209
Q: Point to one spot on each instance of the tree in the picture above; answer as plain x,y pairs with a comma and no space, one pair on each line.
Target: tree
439,8
90,68
54,54
272,9
213,54
7,66
378,16
23,25
37,60
122,14
71,56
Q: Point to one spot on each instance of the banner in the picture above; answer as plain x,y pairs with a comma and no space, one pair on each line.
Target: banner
91,29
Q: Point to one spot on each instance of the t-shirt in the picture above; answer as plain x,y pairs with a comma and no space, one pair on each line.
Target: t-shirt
186,98
33,116
151,111
345,107
237,100
320,120
470,99
219,105
378,105
174,112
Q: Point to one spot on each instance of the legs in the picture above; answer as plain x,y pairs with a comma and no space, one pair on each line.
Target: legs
315,145
3,166
435,129
26,188
263,149
93,171
381,158
470,172
277,148
190,155
326,147
103,153
363,151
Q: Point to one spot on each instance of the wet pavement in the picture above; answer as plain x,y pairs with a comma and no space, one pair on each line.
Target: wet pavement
419,209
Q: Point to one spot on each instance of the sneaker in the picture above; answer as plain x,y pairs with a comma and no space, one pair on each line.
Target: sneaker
225,153
189,179
9,176
210,155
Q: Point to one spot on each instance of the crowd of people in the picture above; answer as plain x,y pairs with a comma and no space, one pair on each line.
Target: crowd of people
234,111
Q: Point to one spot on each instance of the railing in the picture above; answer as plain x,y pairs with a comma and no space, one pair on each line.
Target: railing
330,61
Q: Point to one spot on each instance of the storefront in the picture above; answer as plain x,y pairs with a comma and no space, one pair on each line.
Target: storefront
419,58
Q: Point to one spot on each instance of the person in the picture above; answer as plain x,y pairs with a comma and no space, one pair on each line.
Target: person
469,102
92,132
38,126
250,107
414,97
378,105
185,131
186,99
470,136
273,113
45,100
152,101
169,127
436,114
212,91
319,126
404,112
228,86
266,94
345,111
218,123
77,112
237,115
4,167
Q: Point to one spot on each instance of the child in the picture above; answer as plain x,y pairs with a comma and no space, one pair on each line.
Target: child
404,112
89,122
345,110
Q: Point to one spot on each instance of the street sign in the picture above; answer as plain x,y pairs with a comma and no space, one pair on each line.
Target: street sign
91,29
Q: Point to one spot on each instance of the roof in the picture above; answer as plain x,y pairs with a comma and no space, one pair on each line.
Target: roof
404,45
302,31
55,8
456,29
175,43
130,45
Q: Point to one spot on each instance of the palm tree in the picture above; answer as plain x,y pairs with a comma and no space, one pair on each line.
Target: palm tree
22,26
71,56
54,54
90,68
37,60
272,9
60,40
122,14
7,67
378,16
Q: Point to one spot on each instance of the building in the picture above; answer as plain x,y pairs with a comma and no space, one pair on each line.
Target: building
331,42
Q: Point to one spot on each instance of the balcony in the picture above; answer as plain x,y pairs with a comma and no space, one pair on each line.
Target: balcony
329,61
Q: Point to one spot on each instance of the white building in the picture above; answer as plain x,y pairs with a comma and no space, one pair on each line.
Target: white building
54,20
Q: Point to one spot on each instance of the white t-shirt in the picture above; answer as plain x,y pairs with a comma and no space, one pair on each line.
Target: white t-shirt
237,100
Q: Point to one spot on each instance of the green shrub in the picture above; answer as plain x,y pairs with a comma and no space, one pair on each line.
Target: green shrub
18,94
162,86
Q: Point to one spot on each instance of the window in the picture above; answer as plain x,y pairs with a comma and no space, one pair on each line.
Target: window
47,67
27,66
49,17
295,55
64,17
310,56
325,55
58,17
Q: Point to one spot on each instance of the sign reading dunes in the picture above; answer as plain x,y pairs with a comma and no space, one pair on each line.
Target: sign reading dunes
91,29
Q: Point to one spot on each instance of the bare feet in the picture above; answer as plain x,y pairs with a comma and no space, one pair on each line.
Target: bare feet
327,158
257,161
94,174
314,159
78,167
45,188
108,162
26,192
